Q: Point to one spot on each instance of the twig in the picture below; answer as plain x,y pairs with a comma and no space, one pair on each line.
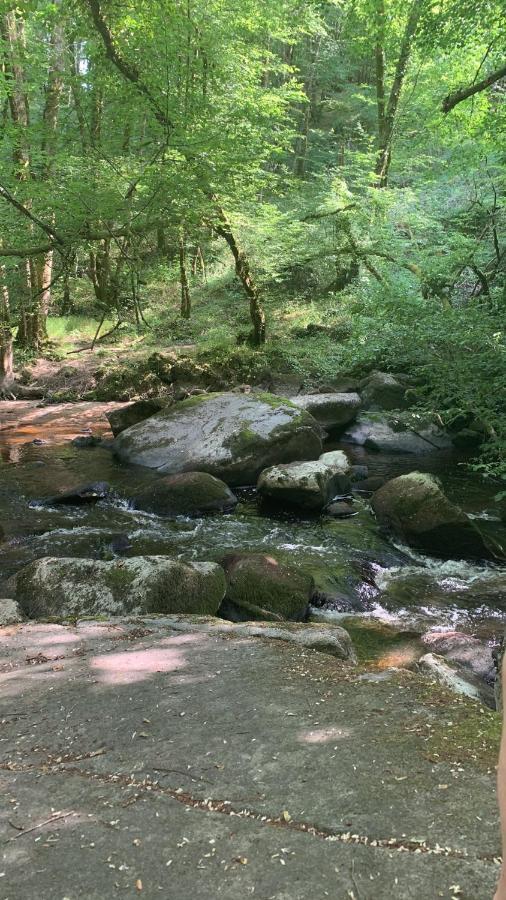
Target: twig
354,879
41,824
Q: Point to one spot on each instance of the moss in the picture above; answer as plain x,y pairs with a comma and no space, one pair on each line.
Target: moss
184,590
273,401
259,584
189,493
118,580
196,400
38,598
244,442
374,640
462,732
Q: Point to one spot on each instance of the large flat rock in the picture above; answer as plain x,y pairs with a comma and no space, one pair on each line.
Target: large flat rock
138,759
230,435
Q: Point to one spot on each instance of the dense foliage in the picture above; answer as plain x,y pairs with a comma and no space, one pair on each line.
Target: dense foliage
342,160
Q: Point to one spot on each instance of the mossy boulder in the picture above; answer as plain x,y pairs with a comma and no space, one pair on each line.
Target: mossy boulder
380,390
186,494
125,416
415,508
10,613
332,410
311,485
230,435
51,587
261,587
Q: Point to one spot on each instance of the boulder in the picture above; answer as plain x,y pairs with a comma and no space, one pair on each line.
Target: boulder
308,484
261,587
464,650
414,507
186,494
468,439
392,434
369,485
125,416
230,435
340,509
10,613
330,410
143,584
82,493
383,391
456,678
86,441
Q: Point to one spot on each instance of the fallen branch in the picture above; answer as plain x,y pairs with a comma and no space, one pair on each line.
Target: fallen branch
96,340
54,818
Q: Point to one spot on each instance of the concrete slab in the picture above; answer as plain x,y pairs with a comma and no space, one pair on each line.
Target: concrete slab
251,767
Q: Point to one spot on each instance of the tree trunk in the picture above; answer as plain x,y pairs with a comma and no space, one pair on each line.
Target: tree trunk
35,294
5,304
6,359
243,272
387,112
186,303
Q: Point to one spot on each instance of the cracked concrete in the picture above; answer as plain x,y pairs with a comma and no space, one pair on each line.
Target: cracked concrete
141,760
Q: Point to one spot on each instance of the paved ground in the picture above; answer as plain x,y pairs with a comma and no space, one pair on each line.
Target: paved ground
136,760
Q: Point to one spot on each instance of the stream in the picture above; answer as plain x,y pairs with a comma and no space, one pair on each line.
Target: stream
360,574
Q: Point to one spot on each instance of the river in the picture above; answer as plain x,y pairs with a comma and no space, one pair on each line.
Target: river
359,572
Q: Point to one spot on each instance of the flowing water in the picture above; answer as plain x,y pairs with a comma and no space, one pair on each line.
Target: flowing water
356,568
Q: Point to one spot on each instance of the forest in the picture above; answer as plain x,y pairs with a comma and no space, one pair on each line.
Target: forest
252,449
312,188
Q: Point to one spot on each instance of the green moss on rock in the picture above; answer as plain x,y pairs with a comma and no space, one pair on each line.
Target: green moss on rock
262,587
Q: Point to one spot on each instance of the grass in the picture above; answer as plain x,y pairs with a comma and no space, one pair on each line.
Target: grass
69,330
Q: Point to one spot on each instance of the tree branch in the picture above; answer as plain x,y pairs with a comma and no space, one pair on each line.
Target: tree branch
48,229
324,215
451,100
127,69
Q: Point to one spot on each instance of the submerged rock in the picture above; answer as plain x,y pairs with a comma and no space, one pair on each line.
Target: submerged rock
340,509
143,584
231,435
261,587
86,441
125,416
330,410
10,612
414,507
82,493
308,484
187,494
397,434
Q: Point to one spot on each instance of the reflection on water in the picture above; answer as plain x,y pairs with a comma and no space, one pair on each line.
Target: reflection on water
350,556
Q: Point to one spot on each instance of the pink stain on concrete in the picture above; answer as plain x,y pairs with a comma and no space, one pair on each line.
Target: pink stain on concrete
136,665
323,735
